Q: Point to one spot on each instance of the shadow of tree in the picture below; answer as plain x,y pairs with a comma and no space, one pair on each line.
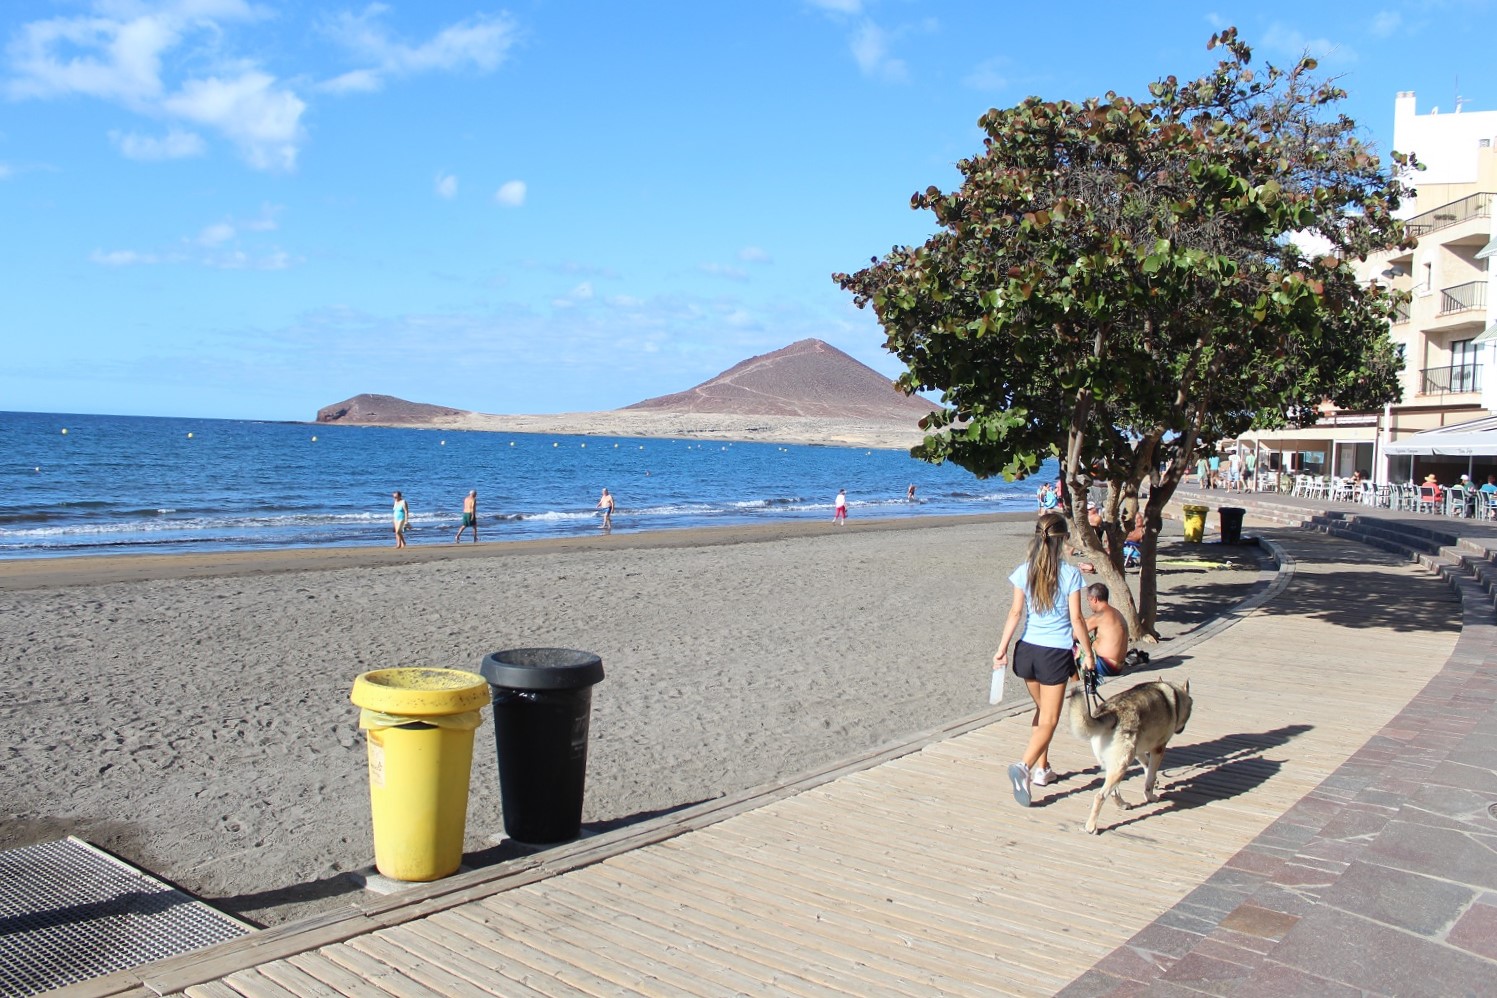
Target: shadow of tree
1360,599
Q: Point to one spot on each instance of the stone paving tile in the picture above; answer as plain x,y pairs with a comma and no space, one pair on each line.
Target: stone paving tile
1382,959
1476,930
1400,899
1274,980
1205,973
1164,941
1438,852
1255,920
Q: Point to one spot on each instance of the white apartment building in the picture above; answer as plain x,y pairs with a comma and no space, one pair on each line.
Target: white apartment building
1448,341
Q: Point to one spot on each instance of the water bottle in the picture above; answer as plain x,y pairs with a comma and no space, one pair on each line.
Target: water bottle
995,691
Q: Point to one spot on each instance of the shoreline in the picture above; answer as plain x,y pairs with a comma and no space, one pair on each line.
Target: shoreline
45,571
808,431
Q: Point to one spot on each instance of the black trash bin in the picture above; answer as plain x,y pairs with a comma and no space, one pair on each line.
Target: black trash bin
1231,524
542,702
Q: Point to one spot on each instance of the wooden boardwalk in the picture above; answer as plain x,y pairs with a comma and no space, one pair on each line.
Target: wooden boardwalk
918,875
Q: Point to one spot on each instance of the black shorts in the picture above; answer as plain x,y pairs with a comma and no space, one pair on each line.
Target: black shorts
1046,666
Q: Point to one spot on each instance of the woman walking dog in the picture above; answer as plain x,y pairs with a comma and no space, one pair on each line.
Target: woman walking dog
1050,590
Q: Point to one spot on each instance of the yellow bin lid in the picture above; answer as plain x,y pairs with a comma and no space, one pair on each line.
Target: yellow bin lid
420,692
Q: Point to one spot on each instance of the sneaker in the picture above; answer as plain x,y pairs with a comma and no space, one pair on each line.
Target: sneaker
1019,773
1042,777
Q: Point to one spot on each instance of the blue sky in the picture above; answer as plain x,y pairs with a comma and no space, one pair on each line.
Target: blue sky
254,208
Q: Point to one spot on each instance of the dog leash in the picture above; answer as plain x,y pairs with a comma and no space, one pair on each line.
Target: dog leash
1094,699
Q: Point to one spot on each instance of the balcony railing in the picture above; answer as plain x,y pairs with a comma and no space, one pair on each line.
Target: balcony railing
1447,380
1400,313
1463,297
1446,215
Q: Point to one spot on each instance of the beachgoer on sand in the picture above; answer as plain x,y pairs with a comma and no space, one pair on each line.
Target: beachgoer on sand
402,514
1108,630
605,503
839,516
470,517
1050,590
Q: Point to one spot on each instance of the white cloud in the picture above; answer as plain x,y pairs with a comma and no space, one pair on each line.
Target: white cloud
1289,43
753,254
723,270
261,117
511,194
839,6
109,59
6,171
988,75
479,43
267,220
175,144
358,81
446,186
870,48
582,292
162,60
122,258
1385,23
216,234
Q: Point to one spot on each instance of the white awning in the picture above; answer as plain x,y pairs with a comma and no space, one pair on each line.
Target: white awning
1474,438
1490,333
1488,250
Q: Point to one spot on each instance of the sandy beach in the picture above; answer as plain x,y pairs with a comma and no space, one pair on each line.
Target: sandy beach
841,432
191,713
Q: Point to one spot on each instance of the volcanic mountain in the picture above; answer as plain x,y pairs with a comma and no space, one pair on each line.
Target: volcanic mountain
385,410
807,378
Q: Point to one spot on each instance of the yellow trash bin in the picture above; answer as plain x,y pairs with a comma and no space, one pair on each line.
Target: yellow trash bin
1195,523
420,725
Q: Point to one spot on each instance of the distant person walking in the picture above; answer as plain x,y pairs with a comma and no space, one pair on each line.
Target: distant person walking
839,515
605,503
1050,590
470,517
402,514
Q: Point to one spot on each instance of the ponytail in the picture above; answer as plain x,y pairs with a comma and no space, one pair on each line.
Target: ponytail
1050,532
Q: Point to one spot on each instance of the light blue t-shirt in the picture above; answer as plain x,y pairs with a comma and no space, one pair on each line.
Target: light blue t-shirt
1052,629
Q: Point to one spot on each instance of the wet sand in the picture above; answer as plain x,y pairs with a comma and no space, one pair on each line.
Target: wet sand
191,713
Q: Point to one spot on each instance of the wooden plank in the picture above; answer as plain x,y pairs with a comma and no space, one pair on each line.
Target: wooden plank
339,979
296,980
454,954
428,973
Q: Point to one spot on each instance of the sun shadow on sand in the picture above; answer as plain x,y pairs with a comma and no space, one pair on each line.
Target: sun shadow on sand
1194,775
324,889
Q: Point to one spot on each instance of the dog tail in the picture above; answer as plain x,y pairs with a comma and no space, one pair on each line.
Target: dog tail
1083,724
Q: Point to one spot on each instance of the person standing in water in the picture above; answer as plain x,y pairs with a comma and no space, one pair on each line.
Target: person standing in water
1050,590
909,493
470,517
402,514
605,503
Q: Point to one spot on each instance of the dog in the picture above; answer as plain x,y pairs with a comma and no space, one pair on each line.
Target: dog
1135,724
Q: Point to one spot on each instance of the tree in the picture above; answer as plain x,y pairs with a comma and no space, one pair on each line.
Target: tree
1117,283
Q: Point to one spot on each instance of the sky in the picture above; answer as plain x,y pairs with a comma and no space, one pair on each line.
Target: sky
256,208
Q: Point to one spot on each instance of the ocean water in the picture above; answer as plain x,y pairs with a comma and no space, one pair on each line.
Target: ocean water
89,484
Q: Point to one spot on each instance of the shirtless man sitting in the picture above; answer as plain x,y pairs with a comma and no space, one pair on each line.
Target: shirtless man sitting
1109,631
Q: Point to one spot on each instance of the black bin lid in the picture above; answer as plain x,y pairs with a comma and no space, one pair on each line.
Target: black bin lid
542,669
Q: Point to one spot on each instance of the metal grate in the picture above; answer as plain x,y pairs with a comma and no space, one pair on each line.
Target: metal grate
70,912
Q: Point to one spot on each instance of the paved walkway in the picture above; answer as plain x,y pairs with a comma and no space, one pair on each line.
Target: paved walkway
1323,830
